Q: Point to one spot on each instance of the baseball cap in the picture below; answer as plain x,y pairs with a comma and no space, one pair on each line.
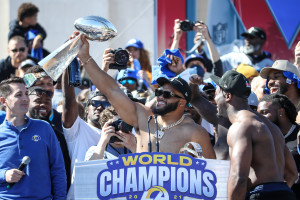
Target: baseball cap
194,57
282,65
255,32
208,87
27,62
233,82
134,43
127,73
179,84
247,70
93,94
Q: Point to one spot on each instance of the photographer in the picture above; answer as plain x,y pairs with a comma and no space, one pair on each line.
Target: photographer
177,36
128,78
112,143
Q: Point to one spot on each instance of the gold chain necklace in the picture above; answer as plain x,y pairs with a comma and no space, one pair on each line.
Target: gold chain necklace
162,130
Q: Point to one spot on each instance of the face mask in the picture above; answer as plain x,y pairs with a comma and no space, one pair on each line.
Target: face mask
196,69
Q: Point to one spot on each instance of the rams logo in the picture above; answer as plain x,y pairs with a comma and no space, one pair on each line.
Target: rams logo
36,138
156,193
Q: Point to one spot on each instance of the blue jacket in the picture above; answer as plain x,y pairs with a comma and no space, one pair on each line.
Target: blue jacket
45,174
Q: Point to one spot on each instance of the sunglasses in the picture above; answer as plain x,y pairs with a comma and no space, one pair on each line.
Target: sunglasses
96,103
22,49
166,94
40,92
129,81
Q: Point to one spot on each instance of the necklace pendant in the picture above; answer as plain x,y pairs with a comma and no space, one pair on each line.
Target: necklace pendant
159,134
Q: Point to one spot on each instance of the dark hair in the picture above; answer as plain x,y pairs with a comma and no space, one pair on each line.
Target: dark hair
282,101
5,89
34,69
144,60
107,114
26,10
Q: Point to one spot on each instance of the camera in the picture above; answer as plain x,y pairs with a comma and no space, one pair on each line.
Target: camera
187,25
122,126
121,59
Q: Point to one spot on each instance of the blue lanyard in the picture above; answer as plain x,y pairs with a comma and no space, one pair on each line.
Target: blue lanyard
51,116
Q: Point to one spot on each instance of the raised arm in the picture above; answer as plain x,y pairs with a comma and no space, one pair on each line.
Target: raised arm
201,29
201,104
177,34
125,108
70,107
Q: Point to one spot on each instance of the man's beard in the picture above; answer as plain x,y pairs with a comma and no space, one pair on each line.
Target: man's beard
251,48
35,115
283,88
165,110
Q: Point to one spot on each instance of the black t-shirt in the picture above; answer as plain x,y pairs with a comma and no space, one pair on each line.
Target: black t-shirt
16,29
56,123
6,69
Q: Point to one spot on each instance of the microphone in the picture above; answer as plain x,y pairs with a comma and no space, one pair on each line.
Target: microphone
157,144
24,163
149,143
140,84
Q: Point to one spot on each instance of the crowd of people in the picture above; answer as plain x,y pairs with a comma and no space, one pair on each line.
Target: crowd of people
242,106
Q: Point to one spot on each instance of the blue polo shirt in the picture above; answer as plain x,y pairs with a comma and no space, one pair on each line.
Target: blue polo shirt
45,174
2,116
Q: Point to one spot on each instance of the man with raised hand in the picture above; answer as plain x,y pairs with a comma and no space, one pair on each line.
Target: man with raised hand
174,129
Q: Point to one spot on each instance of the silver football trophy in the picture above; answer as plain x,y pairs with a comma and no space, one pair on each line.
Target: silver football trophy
94,27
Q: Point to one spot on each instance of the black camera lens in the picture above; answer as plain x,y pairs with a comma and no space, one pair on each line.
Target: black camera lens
119,125
126,128
186,25
121,57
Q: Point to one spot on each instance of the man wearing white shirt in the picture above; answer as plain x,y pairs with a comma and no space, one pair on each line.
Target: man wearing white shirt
80,135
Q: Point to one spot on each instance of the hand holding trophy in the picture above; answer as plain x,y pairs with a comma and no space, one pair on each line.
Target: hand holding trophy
93,27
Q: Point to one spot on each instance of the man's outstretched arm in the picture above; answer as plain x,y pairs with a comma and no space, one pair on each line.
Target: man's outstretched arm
106,84
206,109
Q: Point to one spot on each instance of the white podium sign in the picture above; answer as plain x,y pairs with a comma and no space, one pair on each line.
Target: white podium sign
152,176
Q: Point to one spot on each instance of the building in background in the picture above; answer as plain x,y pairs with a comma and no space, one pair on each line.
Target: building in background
152,22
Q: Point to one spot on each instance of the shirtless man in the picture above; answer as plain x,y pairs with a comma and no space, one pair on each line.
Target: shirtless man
256,146
174,94
209,112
